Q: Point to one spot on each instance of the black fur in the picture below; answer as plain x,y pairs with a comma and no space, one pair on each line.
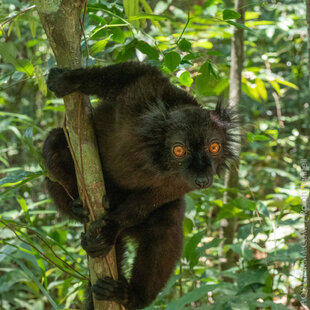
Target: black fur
142,117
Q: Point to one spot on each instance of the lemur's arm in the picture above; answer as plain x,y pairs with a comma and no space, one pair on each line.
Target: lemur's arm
98,81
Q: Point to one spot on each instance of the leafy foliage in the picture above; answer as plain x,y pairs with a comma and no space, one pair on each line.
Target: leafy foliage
42,263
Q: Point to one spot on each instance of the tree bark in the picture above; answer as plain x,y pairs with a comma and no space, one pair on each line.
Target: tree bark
61,21
229,226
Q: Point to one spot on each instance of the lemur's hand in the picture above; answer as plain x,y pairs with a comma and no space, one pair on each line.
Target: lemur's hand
100,237
60,82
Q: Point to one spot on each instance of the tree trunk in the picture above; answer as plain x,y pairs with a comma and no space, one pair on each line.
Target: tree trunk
229,226
61,21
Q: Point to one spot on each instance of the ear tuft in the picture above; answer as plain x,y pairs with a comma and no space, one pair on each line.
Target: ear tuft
224,116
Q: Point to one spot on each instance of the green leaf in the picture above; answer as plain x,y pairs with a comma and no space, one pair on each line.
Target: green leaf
230,14
251,91
202,83
238,25
261,88
188,226
148,50
192,56
132,9
9,54
203,43
276,87
32,22
31,276
117,33
214,53
190,297
98,46
243,203
273,132
287,83
40,80
24,207
250,277
151,17
192,243
184,45
221,86
250,137
185,79
17,179
172,60
9,278
203,80
98,19
261,138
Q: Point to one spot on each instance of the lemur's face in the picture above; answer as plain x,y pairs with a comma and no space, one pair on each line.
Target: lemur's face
192,143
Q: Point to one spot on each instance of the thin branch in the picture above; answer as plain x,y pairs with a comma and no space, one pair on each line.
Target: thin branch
278,108
83,278
9,19
56,255
187,22
275,97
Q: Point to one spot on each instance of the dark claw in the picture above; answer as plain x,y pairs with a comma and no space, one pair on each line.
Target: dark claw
79,212
99,238
110,289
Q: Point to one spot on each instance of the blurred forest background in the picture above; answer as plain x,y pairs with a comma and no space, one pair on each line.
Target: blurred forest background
42,265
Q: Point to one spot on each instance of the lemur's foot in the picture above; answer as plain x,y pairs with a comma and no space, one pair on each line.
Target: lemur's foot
113,290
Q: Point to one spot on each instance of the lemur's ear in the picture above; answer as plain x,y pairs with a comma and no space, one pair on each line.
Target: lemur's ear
224,116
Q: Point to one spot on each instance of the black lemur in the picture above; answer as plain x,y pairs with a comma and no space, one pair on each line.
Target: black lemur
156,144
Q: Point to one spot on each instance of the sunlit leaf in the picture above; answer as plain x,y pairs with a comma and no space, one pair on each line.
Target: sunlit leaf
98,46
276,87
251,15
9,53
230,14
261,88
204,44
147,16
172,60
261,138
117,33
287,83
132,9
185,79
221,86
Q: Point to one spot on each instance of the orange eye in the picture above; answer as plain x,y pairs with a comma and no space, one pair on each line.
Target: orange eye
179,151
214,148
